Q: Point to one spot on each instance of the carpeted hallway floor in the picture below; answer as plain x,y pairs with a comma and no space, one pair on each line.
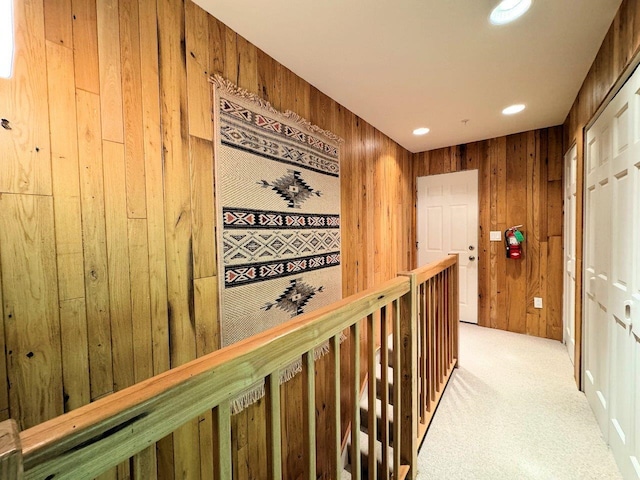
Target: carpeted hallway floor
512,411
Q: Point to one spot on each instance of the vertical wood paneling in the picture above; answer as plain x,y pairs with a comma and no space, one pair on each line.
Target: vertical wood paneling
26,164
519,176
176,179
230,67
532,227
94,243
198,71
31,319
131,220
217,45
174,120
75,353
132,108
65,174
4,382
516,214
66,192
203,208
85,45
110,70
154,183
140,305
57,22
118,264
206,311
484,245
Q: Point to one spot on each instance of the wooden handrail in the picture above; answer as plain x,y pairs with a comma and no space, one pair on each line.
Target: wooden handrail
10,450
100,435
91,439
432,269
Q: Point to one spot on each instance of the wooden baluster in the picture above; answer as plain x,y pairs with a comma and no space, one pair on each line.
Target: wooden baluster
432,345
397,379
443,331
440,332
444,327
436,335
445,313
436,320
355,402
309,400
10,451
429,301
408,320
447,305
274,432
424,352
456,312
371,420
337,438
384,394
451,311
222,435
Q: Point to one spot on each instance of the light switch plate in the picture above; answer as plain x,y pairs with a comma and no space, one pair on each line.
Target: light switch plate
537,302
495,236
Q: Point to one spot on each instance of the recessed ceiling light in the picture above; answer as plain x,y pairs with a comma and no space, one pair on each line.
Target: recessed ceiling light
513,109
421,131
508,10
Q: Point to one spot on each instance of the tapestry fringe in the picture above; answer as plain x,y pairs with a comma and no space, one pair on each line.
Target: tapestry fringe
291,371
320,351
227,85
256,392
248,398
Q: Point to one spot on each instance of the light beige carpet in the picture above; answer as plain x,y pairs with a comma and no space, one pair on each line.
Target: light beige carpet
512,411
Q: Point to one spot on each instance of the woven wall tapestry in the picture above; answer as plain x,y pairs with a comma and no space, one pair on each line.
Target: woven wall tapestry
278,218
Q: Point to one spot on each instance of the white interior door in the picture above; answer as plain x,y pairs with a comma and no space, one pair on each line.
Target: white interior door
634,455
596,280
447,211
612,275
620,284
570,166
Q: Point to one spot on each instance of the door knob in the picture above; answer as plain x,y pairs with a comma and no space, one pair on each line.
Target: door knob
472,258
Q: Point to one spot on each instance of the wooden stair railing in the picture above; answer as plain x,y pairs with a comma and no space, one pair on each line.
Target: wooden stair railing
436,355
418,310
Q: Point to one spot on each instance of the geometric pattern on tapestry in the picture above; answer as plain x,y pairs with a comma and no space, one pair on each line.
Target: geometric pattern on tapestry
248,246
295,297
277,187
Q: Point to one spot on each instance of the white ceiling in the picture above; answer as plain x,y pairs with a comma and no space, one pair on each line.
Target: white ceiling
411,63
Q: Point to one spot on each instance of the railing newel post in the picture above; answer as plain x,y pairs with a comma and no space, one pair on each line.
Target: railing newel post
409,379
456,311
11,466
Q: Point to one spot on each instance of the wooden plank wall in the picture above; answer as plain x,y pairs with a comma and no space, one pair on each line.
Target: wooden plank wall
520,182
620,45
107,254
